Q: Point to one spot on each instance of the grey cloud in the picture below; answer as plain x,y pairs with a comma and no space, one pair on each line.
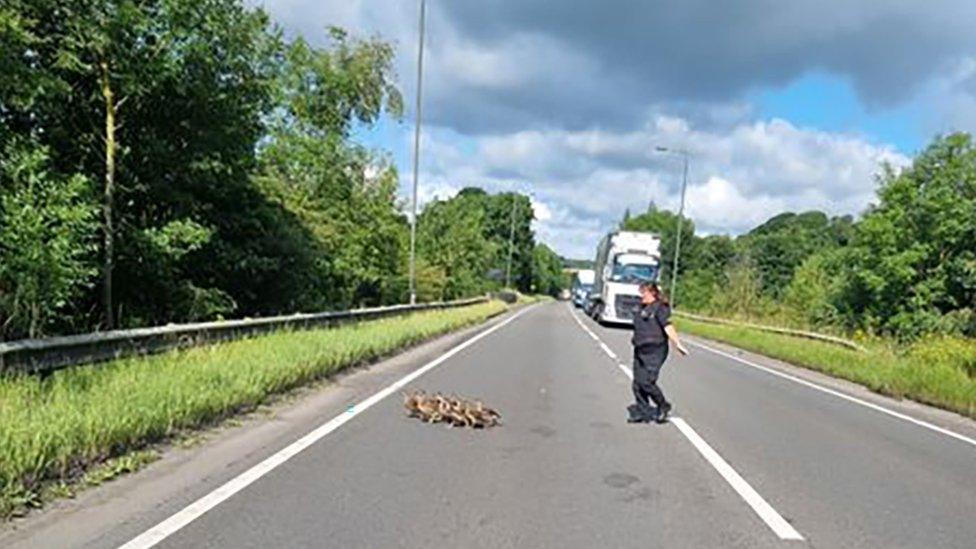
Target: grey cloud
498,65
714,50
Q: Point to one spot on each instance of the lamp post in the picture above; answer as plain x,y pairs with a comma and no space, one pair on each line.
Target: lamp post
416,155
681,212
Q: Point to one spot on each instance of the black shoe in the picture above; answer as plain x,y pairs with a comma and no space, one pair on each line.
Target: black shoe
635,416
662,413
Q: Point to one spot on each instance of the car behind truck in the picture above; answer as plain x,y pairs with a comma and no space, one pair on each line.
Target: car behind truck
582,286
624,259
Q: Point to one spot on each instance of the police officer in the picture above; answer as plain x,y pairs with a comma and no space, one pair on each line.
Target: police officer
652,331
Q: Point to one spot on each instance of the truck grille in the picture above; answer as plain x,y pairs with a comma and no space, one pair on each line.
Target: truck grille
624,306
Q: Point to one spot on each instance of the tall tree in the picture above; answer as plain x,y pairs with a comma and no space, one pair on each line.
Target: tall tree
162,100
547,271
344,193
508,224
913,259
452,239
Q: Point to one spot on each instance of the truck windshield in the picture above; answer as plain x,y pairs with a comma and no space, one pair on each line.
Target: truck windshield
632,273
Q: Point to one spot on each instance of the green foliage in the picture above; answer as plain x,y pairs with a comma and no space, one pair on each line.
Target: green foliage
451,238
782,243
547,273
508,226
46,248
946,351
913,259
740,294
814,291
238,186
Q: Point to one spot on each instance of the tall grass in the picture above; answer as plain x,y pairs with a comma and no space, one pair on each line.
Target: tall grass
939,371
53,429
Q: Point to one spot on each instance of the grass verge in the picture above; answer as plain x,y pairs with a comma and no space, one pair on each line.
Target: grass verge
85,425
934,372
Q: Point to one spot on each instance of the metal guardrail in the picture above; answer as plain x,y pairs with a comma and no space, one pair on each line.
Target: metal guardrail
775,329
40,356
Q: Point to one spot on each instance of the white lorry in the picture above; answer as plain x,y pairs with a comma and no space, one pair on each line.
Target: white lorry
624,259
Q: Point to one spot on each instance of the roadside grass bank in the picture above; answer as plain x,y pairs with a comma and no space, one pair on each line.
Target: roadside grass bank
940,371
85,421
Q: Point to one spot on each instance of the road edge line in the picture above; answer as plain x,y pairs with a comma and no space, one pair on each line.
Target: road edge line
840,394
177,521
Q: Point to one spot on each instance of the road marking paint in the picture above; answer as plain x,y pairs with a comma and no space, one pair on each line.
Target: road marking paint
188,514
610,353
760,506
774,520
839,394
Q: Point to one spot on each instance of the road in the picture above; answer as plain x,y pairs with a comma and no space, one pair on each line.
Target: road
566,470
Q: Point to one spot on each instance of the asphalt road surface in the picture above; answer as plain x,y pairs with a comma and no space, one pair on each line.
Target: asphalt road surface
753,460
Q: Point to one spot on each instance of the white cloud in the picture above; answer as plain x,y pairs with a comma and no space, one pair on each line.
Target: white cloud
738,178
541,211
571,103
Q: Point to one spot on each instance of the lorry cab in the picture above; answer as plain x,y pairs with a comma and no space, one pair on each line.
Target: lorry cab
624,260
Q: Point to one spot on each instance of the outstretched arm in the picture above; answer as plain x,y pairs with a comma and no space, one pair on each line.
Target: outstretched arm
673,336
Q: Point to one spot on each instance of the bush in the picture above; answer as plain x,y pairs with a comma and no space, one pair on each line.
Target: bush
811,293
47,228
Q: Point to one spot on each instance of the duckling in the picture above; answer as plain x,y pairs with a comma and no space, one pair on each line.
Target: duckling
453,410
427,410
412,401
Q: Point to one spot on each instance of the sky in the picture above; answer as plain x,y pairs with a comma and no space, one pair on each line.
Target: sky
783,106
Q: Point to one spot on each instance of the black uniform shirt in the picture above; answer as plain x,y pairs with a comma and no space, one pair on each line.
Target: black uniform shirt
649,323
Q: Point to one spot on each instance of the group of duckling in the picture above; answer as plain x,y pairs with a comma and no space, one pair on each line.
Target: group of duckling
453,410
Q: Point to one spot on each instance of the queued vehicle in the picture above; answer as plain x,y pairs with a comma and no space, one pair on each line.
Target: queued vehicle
624,259
582,286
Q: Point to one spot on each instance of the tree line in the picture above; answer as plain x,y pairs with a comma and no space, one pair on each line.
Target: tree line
177,160
905,268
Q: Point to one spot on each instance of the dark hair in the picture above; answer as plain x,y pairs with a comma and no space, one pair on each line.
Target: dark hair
656,290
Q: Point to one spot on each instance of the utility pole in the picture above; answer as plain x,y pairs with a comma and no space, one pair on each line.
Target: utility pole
681,212
416,155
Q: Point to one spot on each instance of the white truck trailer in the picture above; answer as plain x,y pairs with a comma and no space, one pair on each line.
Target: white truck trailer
624,259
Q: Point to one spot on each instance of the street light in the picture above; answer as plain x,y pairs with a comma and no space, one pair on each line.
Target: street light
681,212
416,156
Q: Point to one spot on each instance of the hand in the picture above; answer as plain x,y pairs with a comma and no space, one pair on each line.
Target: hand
682,349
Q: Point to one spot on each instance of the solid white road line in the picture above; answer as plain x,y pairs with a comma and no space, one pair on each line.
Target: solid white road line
839,394
193,511
763,509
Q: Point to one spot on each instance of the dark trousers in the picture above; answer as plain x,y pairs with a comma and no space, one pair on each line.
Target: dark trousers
648,361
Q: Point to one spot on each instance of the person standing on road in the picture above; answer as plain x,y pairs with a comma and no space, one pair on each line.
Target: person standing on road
652,332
